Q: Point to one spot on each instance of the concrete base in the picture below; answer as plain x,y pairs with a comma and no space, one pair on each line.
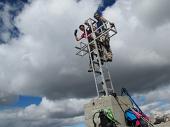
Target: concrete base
107,102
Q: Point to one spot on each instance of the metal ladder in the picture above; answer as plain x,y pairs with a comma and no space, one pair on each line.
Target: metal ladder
100,69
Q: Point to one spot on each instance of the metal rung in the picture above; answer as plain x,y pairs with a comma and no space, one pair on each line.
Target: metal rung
82,51
103,33
102,91
95,49
114,30
82,48
78,47
110,89
112,35
107,80
92,51
95,62
98,72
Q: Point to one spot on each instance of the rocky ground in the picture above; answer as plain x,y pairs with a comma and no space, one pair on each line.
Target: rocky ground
167,124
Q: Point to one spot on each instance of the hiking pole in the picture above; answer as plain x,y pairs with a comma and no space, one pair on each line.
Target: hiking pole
148,122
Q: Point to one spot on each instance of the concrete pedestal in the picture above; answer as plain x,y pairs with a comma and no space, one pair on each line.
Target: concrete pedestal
107,102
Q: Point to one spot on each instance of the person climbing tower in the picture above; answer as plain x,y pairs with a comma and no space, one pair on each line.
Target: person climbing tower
105,41
89,38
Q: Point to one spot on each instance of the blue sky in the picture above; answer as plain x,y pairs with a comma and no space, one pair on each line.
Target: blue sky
25,101
22,102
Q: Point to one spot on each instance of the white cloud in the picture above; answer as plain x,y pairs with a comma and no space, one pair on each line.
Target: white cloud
44,57
61,113
153,13
156,101
47,47
42,61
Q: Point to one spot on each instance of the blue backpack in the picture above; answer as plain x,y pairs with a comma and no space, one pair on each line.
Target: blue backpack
129,115
131,118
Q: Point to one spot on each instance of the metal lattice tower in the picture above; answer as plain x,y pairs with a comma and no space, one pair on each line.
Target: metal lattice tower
100,69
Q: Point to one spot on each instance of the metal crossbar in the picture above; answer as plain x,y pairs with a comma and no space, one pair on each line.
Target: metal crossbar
100,69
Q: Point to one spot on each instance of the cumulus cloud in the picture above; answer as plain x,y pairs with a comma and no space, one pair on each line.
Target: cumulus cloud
154,101
42,62
44,56
48,113
141,57
153,13
8,11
